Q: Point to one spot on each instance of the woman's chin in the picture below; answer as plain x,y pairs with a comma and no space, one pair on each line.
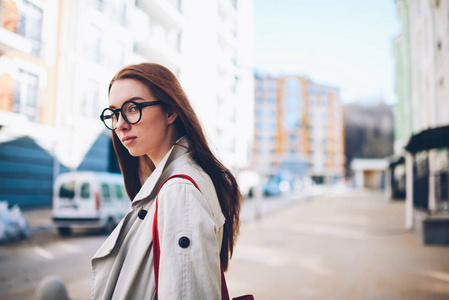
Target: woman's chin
135,152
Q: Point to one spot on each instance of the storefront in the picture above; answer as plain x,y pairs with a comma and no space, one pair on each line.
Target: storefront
427,189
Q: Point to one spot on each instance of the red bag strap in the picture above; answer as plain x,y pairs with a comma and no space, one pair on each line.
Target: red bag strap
156,247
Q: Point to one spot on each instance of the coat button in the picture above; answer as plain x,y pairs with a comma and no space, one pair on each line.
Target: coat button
141,214
184,242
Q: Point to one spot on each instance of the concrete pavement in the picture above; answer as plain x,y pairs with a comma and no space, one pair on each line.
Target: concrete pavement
340,245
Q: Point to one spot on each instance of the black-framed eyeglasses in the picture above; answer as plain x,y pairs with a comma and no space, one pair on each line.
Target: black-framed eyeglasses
131,112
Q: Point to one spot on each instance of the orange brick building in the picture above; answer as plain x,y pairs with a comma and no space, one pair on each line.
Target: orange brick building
299,129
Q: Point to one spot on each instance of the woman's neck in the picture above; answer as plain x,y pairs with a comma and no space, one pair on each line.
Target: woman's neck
172,137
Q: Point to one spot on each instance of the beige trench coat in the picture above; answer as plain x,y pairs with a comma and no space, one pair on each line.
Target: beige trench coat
123,266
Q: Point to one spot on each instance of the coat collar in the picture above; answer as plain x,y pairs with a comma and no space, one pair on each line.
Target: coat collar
148,189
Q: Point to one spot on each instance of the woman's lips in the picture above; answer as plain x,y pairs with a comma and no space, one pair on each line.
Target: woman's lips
129,140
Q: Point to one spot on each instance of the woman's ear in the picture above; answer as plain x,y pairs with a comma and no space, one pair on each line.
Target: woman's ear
171,117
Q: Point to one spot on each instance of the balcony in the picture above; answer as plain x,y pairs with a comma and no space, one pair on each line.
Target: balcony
156,42
227,9
11,42
159,53
20,29
225,63
163,12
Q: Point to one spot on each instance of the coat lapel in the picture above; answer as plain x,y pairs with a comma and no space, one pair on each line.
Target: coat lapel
111,241
148,191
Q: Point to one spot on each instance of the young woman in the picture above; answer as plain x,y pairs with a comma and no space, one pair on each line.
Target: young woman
156,134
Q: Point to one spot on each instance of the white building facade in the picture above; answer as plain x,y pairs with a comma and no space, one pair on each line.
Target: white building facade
83,43
207,44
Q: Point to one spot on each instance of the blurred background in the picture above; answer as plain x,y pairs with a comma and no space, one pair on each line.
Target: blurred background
299,98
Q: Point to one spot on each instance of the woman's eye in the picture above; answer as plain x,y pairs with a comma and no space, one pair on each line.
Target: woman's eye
133,108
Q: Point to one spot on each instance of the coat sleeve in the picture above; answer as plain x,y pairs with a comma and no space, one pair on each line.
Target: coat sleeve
189,243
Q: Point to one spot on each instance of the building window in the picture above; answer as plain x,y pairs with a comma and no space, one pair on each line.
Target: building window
173,39
26,95
234,86
93,44
117,57
89,105
30,25
179,42
312,100
265,113
323,101
119,11
98,4
263,125
176,4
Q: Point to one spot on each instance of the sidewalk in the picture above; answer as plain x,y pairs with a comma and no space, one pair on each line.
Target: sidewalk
339,245
255,208
39,218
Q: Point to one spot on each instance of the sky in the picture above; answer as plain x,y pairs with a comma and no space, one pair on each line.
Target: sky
341,43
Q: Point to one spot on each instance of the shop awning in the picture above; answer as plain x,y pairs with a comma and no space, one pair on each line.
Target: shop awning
395,162
433,138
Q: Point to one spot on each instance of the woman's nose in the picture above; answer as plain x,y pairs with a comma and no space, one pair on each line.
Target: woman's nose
121,123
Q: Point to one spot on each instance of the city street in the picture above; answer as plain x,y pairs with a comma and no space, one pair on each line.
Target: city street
337,245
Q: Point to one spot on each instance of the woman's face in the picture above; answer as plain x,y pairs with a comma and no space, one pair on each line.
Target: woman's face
152,135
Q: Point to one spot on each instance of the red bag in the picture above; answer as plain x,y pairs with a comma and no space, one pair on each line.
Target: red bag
157,250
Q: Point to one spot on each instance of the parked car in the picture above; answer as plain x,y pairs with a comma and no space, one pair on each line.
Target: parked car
88,200
278,184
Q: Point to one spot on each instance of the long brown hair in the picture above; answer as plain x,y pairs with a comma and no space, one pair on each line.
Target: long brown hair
165,87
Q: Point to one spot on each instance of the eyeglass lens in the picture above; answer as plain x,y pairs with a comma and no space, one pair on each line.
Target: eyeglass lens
129,111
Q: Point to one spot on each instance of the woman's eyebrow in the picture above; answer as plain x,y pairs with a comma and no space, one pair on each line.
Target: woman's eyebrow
130,99
134,98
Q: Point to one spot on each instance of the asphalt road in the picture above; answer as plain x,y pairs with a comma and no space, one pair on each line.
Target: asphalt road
340,245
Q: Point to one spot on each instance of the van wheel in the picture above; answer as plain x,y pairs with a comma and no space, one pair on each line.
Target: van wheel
109,227
65,231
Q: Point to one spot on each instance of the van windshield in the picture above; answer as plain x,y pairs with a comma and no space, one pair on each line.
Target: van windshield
67,190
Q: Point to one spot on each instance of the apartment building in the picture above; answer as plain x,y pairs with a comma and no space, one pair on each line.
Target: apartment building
422,129
27,59
299,129
58,57
28,84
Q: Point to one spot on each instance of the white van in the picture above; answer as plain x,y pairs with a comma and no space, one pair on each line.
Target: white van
88,200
